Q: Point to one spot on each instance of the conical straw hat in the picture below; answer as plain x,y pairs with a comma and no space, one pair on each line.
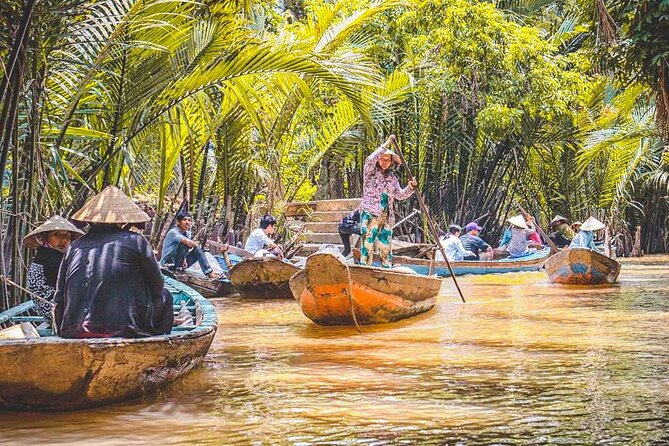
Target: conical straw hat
592,224
518,221
393,155
557,218
577,223
55,223
111,206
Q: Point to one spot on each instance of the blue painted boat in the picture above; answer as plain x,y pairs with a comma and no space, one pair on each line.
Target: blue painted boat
532,262
582,267
52,373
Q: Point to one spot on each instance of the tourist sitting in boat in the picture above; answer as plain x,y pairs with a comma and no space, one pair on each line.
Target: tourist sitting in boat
585,239
562,233
453,246
349,225
109,284
517,244
50,241
472,242
379,192
576,226
259,244
180,251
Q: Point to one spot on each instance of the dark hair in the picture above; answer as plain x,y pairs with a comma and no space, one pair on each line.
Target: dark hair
454,228
182,215
267,220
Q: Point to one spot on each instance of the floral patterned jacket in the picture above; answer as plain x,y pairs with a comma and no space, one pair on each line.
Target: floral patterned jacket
376,182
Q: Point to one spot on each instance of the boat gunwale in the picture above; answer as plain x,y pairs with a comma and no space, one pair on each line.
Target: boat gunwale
208,325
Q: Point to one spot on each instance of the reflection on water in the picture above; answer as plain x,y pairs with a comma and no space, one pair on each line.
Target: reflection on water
523,361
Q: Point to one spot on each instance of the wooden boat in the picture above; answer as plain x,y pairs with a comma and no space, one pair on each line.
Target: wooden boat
221,287
532,262
52,373
326,288
262,278
204,285
581,267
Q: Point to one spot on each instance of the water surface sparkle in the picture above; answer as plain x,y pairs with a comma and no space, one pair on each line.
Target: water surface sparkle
522,362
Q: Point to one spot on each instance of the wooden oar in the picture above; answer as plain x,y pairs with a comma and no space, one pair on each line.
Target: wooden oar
526,214
426,213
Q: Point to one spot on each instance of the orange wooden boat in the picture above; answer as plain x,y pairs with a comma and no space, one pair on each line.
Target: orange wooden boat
581,267
262,278
327,287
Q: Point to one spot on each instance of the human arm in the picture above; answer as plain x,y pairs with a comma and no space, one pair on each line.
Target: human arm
461,249
186,240
59,295
404,193
370,162
149,266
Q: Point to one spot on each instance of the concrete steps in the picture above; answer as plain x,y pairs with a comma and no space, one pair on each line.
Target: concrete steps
320,220
321,226
321,237
297,209
328,216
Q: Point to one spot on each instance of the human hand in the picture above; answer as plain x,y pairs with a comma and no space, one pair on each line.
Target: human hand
413,184
389,141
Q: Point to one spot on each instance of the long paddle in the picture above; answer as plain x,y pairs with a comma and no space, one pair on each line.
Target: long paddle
430,223
526,214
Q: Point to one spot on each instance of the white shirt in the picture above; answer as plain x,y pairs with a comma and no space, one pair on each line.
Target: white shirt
453,248
257,240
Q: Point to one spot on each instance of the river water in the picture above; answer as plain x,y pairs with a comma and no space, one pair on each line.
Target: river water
522,362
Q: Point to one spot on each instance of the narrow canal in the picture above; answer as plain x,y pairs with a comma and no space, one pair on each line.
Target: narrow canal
523,361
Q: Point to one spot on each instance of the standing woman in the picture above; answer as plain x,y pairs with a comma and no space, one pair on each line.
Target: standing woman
50,241
377,215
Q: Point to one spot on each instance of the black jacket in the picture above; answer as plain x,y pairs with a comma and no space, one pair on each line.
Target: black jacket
107,285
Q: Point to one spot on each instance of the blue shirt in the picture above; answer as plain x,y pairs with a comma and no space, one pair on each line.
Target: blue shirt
171,243
584,240
474,244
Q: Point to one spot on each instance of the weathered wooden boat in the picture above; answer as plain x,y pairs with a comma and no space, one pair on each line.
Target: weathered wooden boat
219,287
331,292
581,267
532,262
52,373
262,278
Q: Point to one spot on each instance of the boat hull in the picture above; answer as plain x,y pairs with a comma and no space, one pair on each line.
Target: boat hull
533,262
205,286
262,278
581,267
378,295
52,373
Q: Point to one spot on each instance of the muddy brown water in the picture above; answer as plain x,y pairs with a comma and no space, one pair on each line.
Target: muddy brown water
522,362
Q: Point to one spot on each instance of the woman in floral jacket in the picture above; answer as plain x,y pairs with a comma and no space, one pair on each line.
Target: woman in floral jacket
380,190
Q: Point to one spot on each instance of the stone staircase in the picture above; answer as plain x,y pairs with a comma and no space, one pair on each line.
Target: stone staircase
318,221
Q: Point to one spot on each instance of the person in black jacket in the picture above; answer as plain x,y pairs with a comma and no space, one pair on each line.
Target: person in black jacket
109,284
49,241
349,225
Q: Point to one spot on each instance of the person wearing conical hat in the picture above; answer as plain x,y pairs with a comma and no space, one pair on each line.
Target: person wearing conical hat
109,284
517,244
379,191
585,239
576,226
562,233
49,240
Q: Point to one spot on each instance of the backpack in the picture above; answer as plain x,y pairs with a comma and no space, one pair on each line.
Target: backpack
350,224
